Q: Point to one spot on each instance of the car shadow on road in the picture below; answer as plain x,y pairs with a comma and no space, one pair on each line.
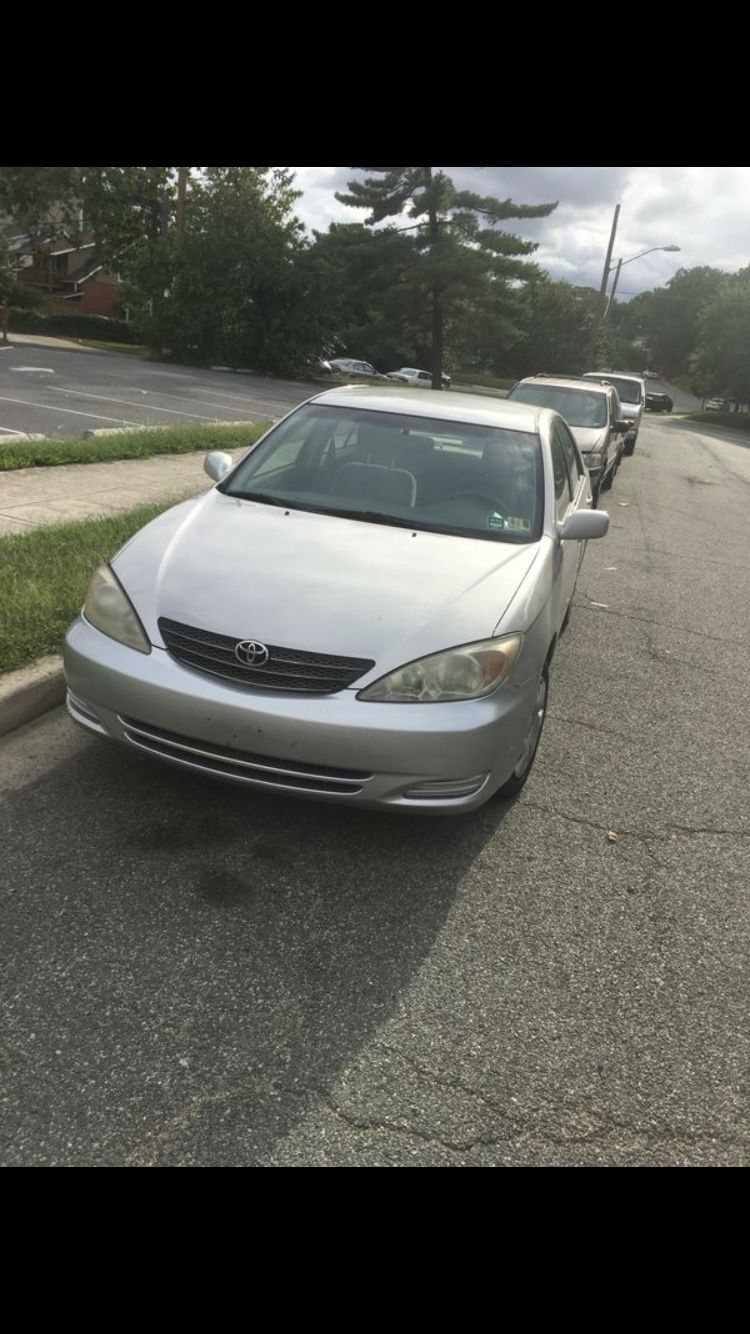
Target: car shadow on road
207,958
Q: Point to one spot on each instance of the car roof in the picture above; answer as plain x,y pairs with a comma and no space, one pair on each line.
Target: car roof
470,409
619,375
566,381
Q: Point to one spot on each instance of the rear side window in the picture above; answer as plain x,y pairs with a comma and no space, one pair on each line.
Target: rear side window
572,457
563,489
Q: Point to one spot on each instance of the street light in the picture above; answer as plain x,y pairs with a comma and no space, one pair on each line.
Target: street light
670,249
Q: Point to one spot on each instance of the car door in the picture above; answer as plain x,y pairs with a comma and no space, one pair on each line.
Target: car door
616,442
568,555
578,473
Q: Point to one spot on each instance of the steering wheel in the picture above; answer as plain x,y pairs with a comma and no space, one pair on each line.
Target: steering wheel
482,496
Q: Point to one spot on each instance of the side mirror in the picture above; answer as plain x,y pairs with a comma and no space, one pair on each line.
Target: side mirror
584,526
217,465
621,428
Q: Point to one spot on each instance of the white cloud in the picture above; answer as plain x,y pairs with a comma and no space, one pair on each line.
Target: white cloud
702,209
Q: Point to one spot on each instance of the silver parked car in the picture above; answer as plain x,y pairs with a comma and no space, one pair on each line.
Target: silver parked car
592,412
631,391
419,379
355,369
363,610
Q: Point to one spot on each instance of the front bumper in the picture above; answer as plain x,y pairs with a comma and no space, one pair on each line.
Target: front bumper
430,757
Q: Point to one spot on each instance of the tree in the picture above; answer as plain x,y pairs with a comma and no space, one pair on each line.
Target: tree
459,249
673,321
371,306
42,201
557,319
240,285
723,365
12,292
126,206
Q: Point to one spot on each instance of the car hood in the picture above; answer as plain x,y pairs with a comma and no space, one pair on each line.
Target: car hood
317,583
588,440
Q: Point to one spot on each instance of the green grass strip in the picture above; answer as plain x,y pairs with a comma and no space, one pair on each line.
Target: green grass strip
189,439
44,575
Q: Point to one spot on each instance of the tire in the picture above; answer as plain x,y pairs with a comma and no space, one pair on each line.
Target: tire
608,480
525,764
629,449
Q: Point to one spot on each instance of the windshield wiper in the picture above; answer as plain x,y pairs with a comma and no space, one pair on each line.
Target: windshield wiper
370,516
263,499
365,516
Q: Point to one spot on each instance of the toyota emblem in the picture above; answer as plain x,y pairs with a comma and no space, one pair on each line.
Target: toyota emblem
251,654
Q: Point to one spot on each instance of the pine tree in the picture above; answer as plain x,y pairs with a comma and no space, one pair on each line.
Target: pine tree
460,246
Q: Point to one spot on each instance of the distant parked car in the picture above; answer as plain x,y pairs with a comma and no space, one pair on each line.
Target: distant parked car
631,391
347,366
421,379
658,402
649,375
594,415
717,405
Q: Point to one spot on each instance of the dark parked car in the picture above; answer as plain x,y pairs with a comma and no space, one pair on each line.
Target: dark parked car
659,402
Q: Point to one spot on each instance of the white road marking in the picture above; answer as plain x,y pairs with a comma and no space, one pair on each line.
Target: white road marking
104,398
201,402
51,407
43,370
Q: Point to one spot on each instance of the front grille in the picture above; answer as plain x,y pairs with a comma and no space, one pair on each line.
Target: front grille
286,669
241,765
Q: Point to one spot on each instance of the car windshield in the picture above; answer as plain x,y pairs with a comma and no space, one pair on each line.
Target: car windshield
577,406
629,391
399,470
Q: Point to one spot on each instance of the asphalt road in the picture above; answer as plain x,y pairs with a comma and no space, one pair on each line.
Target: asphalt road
198,975
54,391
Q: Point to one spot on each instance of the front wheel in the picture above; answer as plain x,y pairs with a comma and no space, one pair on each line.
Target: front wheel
531,742
630,447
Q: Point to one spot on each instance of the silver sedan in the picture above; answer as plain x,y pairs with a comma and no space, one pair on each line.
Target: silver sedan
364,609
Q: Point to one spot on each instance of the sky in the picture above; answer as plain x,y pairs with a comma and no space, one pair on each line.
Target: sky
703,210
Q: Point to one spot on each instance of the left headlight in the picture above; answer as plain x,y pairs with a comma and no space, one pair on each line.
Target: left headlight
107,607
460,673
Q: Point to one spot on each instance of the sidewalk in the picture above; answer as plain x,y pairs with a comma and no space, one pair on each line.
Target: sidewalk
41,340
32,497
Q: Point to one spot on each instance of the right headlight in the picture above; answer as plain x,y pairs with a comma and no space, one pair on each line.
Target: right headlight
470,672
108,608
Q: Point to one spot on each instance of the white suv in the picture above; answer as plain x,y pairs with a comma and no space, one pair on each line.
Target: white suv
631,391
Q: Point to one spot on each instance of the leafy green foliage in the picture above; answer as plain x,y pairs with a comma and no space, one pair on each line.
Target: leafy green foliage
459,262
44,576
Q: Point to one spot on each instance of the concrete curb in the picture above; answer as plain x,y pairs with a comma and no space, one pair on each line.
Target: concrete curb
27,693
133,430
14,437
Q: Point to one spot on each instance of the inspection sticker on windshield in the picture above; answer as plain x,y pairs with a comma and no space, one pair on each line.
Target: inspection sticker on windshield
496,521
518,525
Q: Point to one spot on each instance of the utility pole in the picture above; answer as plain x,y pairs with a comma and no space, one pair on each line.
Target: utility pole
593,344
615,286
